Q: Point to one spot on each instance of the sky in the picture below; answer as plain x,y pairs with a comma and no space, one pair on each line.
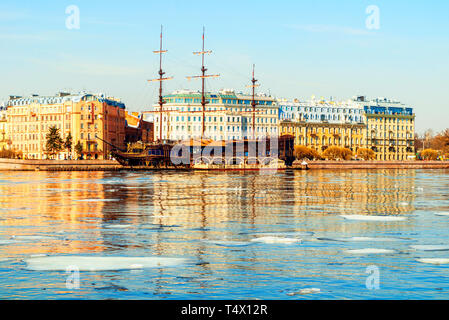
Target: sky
300,49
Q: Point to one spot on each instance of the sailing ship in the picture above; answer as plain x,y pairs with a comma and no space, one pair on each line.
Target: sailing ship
159,154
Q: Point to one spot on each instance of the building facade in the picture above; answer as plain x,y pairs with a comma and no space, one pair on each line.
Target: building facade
390,129
320,135
84,116
96,120
228,116
385,126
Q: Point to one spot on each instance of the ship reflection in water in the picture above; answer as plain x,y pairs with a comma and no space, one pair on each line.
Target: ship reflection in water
239,231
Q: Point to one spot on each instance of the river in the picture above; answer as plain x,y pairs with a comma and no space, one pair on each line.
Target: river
230,235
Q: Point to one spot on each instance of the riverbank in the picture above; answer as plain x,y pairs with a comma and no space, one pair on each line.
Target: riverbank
372,165
59,165
112,165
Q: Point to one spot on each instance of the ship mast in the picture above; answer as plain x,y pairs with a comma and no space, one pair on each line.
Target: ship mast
161,79
253,102
203,78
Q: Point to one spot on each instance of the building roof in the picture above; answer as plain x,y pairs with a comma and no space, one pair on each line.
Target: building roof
223,94
60,98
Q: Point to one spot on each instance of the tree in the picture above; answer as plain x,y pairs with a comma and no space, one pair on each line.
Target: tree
428,137
302,152
366,154
419,142
441,141
337,153
54,144
68,142
79,149
429,154
438,142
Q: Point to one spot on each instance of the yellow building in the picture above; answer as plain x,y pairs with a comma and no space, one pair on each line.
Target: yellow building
390,130
322,135
94,117
84,116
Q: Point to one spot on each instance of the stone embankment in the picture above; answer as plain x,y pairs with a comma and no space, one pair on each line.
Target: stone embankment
312,165
112,165
58,165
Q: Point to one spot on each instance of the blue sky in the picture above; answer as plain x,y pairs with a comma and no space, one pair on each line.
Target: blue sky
300,48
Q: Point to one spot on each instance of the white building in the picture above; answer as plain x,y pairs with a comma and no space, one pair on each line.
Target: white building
322,111
228,116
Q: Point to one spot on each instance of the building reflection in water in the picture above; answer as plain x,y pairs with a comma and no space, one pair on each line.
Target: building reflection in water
47,204
176,213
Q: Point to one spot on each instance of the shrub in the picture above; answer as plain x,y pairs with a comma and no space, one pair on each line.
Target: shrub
337,153
366,154
302,152
429,154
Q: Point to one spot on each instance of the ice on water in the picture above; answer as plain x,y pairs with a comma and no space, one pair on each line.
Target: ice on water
435,261
430,247
62,263
373,218
370,251
442,214
305,292
359,239
276,240
119,226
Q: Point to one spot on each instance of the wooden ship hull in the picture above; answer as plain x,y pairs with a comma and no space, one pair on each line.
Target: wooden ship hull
150,156
159,155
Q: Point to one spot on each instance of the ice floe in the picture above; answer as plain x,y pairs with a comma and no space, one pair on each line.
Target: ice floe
32,238
8,242
359,239
305,292
276,240
436,261
61,263
6,260
442,214
373,218
286,234
370,251
430,247
119,226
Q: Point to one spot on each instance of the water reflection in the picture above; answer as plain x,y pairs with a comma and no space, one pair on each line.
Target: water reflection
182,214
